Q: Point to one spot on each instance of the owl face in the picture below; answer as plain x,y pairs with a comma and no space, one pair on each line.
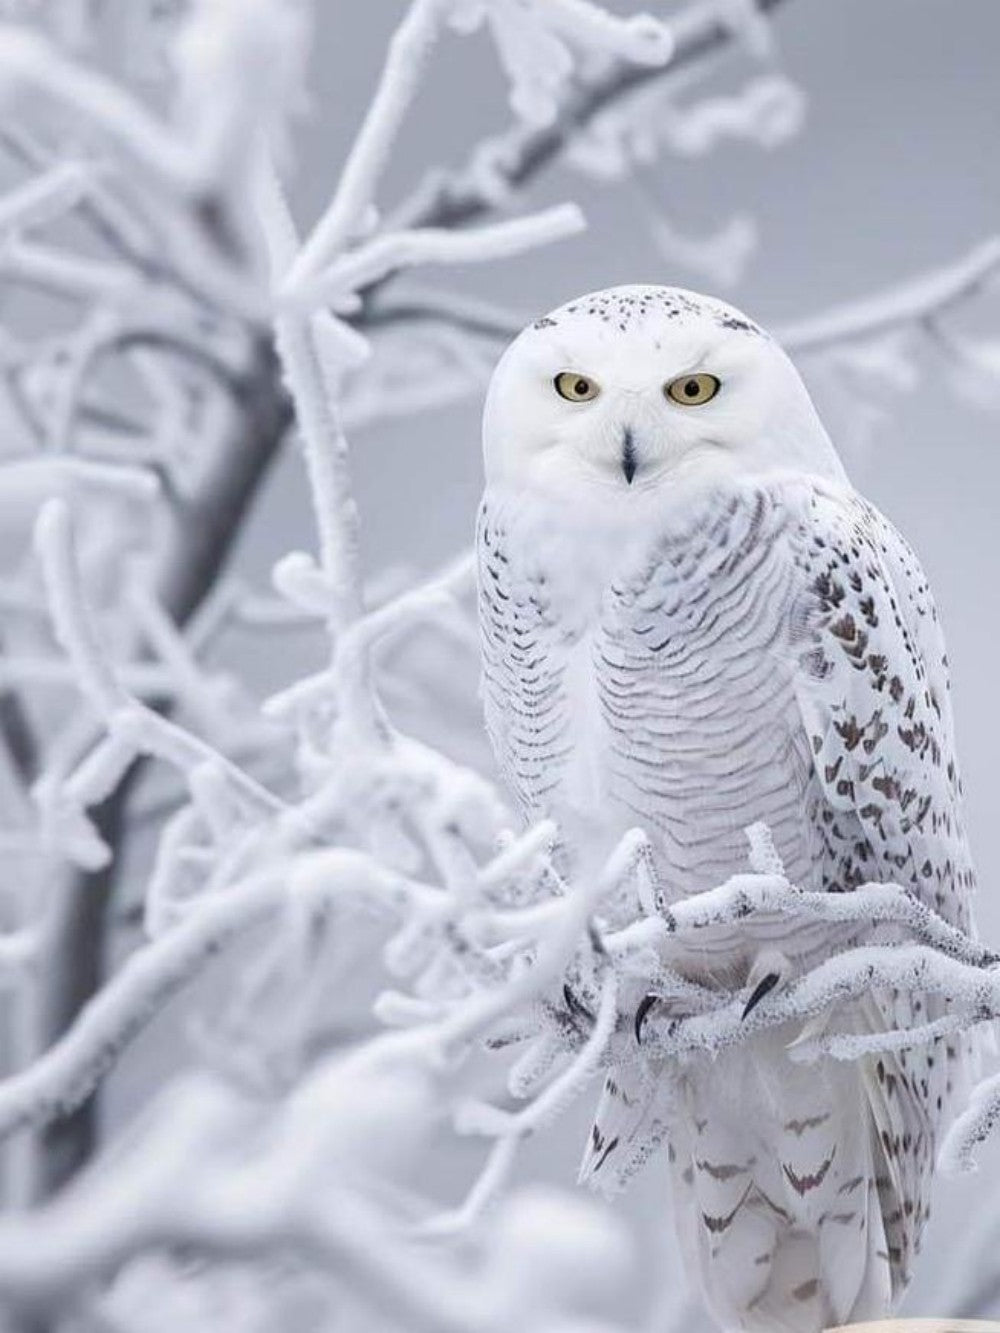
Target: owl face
637,389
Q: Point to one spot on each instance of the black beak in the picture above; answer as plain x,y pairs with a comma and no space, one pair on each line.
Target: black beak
763,986
629,460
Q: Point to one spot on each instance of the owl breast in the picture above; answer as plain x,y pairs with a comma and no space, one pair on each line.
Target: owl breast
695,686
667,698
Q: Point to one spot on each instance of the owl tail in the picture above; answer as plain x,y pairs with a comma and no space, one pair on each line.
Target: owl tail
629,1125
774,1175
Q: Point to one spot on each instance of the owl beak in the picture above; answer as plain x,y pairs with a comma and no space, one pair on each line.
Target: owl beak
630,462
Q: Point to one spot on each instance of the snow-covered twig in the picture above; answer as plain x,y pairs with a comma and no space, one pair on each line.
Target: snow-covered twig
552,1101
926,297
409,49
973,1127
27,59
426,602
907,304
405,249
511,161
867,905
69,1070
975,991
47,196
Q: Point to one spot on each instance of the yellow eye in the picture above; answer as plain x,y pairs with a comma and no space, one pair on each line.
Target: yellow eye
576,388
693,390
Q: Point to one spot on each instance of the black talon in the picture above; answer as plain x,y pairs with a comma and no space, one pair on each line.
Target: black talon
640,1015
576,1006
765,984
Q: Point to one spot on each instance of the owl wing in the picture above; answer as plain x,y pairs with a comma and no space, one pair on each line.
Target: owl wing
524,640
873,693
632,1119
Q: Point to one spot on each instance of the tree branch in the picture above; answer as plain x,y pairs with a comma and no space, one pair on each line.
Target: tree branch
922,300
206,527
927,296
524,152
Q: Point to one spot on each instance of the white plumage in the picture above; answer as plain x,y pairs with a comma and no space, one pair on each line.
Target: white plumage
691,622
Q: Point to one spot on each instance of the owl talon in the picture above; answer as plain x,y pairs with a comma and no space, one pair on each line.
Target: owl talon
770,969
640,1015
763,987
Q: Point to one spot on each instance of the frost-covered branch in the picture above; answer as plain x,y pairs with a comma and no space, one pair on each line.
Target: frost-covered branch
510,162
978,1121
405,249
909,304
242,1205
919,300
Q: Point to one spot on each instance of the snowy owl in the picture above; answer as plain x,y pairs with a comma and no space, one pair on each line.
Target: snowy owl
691,622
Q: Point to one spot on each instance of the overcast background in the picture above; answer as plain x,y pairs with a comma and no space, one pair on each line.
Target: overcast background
896,171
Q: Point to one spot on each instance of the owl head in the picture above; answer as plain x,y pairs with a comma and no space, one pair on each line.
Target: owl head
645,390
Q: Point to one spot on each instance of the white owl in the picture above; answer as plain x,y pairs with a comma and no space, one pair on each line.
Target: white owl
691,622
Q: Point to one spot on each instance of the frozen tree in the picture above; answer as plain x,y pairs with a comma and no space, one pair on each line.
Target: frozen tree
380,929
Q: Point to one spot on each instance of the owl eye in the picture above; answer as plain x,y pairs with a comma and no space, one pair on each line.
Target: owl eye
693,390
576,388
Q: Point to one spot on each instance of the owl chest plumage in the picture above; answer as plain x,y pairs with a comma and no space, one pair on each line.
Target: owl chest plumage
695,671
658,689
